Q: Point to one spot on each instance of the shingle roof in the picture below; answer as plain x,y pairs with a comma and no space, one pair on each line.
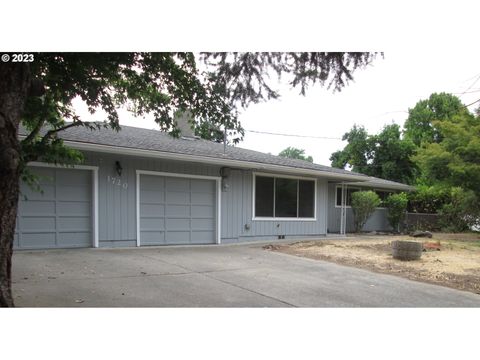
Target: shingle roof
154,140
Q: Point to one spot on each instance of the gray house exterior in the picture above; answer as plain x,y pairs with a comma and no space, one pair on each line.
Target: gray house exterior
142,187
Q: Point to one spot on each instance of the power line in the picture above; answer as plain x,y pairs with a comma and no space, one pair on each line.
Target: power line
476,80
293,135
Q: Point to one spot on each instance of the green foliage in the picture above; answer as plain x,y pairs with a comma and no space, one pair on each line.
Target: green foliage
455,161
294,153
428,198
396,205
420,125
462,212
357,153
363,206
385,155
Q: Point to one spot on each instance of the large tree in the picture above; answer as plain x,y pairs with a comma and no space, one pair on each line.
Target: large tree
357,153
455,161
385,155
294,153
39,95
420,125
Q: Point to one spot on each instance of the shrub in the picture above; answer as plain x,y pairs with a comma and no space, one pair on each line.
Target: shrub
428,199
462,212
396,205
363,206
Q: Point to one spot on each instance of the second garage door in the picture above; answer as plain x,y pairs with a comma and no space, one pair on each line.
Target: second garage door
174,210
58,216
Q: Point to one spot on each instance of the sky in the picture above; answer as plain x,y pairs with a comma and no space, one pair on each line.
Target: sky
380,94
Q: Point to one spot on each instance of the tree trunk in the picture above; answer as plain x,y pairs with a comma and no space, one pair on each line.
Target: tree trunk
14,88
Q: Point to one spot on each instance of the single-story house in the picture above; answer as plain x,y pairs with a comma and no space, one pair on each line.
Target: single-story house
142,187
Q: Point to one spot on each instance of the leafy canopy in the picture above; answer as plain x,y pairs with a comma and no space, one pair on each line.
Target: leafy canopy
420,126
454,161
294,153
385,155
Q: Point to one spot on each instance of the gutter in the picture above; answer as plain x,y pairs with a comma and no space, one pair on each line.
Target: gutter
380,185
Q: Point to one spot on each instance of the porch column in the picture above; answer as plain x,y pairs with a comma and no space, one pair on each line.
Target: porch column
343,210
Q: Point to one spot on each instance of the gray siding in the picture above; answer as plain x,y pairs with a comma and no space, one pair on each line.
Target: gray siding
117,225
377,222
117,202
237,214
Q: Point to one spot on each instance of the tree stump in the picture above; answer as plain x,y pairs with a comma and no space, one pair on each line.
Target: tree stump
406,250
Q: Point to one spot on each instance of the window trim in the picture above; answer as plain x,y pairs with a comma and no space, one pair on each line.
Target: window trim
361,189
265,218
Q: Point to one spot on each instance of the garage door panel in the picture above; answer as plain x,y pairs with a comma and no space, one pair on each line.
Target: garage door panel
202,224
152,197
152,224
202,237
74,207
28,194
45,175
38,240
153,237
177,184
177,224
203,186
69,178
74,239
153,183
74,193
34,207
176,198
203,211
152,209
177,237
38,223
73,223
178,211
203,198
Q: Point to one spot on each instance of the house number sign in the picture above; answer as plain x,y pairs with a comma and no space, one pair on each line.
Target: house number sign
117,181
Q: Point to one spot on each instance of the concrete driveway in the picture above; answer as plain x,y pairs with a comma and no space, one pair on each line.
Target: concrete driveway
210,276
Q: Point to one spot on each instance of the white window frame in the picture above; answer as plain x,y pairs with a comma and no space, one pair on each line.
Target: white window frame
361,189
265,218
218,183
94,170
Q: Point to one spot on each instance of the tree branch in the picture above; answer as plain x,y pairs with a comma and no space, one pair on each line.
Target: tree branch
52,132
34,132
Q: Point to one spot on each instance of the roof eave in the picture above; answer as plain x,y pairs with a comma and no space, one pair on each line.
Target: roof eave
210,160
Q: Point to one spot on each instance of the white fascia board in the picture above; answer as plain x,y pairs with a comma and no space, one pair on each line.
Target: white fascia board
381,185
208,160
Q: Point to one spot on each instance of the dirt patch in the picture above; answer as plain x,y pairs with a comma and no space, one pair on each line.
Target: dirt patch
451,260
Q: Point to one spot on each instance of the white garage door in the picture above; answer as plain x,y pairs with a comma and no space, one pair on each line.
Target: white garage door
176,210
58,217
